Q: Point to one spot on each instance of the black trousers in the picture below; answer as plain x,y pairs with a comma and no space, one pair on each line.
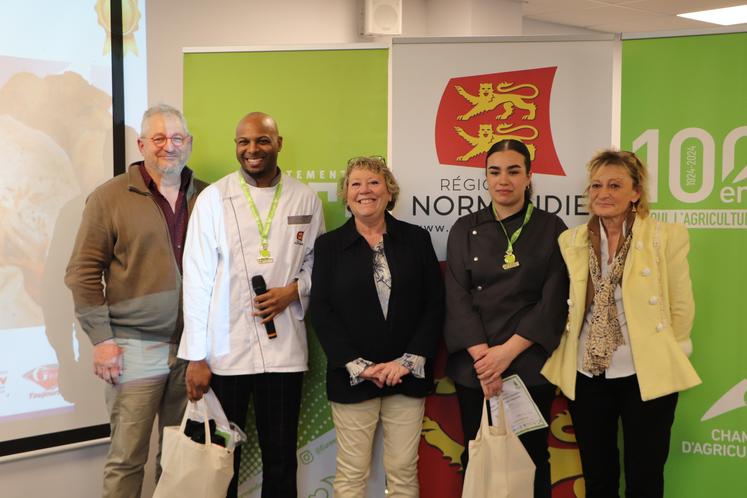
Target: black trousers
535,442
277,402
599,406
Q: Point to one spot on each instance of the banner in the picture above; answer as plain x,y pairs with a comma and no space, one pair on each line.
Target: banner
683,112
553,93
330,105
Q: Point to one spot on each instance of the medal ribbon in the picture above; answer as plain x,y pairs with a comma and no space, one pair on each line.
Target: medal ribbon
264,228
514,236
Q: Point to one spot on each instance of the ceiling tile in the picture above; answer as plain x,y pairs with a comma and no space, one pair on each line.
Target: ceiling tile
594,16
650,23
615,2
680,6
532,7
622,15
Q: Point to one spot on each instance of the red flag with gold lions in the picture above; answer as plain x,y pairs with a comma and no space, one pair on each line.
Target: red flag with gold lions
477,111
442,441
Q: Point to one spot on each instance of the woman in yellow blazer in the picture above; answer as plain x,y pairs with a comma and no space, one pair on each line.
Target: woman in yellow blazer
623,355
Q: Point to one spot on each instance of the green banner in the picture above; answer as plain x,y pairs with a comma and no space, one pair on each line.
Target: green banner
330,105
684,112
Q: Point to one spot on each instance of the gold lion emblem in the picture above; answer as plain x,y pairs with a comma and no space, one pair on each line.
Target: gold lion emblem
565,463
435,436
488,99
486,137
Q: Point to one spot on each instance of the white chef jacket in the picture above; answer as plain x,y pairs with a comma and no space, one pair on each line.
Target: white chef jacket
220,258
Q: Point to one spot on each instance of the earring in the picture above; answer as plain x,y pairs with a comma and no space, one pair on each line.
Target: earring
632,208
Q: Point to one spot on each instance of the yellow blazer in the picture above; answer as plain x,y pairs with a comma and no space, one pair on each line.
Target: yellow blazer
658,303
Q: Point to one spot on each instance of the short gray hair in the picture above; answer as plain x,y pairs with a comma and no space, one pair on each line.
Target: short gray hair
163,110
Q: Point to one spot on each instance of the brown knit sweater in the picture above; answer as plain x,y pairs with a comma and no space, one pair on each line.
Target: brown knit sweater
122,272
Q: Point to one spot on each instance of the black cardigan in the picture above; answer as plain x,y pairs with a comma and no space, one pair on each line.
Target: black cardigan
347,316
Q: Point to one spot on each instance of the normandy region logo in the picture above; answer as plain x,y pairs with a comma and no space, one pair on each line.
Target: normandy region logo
477,111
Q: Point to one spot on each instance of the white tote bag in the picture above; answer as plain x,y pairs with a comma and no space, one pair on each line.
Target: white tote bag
191,469
499,466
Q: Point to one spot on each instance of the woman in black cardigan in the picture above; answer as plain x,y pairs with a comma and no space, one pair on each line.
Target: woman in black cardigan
377,307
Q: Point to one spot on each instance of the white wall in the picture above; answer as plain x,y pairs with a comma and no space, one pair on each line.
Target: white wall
68,474
74,473
173,24
532,27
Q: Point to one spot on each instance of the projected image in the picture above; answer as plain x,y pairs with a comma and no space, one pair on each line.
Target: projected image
55,137
55,148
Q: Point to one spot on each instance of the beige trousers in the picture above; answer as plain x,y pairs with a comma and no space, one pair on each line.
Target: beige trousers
402,420
132,410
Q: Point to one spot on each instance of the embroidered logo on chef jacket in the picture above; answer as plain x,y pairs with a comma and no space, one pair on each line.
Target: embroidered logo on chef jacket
299,219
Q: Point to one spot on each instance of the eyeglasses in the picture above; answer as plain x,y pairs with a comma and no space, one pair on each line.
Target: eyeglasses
176,140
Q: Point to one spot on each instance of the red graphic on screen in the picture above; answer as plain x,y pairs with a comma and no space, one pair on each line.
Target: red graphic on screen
477,111
44,376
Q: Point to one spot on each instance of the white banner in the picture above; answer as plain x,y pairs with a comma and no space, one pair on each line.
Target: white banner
453,98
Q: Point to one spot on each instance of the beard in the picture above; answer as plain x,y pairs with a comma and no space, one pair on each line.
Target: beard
170,168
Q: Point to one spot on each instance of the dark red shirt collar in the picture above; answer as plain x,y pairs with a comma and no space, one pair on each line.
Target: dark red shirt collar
176,219
151,183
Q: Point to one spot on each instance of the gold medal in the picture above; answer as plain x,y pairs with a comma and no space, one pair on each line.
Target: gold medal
509,258
264,228
509,261
264,255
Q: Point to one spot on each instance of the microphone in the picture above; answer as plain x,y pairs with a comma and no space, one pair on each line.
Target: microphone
259,286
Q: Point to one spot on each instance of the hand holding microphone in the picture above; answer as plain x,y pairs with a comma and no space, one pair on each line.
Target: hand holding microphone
260,289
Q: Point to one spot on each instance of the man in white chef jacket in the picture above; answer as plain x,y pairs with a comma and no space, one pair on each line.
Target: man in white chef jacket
253,222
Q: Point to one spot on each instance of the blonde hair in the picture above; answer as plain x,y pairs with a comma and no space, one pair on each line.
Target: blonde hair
635,169
375,164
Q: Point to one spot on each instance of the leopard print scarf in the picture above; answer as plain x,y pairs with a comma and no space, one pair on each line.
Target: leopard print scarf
605,335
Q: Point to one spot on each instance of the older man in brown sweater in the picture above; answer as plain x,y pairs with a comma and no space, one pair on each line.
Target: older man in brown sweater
125,277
